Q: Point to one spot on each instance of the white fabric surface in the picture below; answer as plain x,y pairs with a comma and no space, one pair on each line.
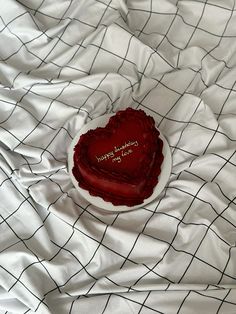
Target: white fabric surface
63,63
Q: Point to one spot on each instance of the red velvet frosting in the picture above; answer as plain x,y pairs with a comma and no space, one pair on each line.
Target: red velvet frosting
122,161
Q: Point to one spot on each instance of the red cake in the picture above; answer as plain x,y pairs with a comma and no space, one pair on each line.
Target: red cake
122,161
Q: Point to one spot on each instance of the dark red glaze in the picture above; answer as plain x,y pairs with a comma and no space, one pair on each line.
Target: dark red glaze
122,161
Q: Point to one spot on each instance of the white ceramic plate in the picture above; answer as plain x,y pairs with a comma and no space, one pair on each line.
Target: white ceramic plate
98,201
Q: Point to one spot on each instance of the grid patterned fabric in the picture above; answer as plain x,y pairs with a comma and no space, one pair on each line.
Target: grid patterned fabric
66,62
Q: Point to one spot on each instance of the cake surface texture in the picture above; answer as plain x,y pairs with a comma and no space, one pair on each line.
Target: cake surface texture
120,162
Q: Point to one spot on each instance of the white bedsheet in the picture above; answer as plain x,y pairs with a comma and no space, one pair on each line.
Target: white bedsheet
64,63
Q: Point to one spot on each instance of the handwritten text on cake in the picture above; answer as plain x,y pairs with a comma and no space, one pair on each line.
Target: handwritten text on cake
118,152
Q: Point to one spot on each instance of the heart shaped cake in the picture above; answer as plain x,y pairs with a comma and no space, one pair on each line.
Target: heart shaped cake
122,161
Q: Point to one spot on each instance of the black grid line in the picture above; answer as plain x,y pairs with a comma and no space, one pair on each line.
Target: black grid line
73,85
164,117
193,256
18,279
11,275
222,302
199,224
20,142
154,51
141,308
145,306
207,202
149,16
156,264
107,302
215,298
38,11
200,243
176,14
221,37
229,257
182,303
111,250
17,104
43,61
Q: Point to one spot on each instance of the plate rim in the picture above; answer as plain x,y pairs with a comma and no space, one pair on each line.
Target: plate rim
97,201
